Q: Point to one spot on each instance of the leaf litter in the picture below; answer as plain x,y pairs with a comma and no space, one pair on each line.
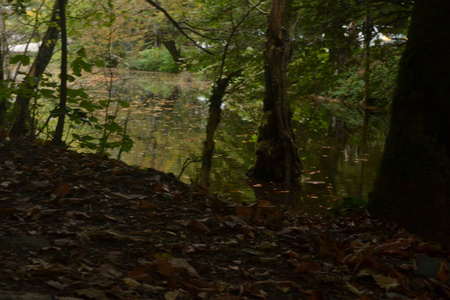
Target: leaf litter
82,226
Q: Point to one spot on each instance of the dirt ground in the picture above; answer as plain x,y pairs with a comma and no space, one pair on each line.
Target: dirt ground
81,226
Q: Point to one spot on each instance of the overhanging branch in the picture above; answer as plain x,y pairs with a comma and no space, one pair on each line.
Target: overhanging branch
175,23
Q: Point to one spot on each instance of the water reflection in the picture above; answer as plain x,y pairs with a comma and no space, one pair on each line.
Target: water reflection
166,133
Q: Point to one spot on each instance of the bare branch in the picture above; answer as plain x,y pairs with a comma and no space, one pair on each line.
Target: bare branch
255,6
175,23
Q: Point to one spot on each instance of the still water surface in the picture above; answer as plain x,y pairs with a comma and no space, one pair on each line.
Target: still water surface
168,132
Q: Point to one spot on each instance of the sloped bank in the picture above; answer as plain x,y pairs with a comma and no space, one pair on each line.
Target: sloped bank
81,226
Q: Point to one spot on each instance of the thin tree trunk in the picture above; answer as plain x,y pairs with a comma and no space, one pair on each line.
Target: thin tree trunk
3,48
57,139
366,77
276,154
215,101
215,108
21,109
413,183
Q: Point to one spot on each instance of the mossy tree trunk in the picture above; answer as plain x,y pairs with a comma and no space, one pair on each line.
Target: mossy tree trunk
413,183
276,154
20,112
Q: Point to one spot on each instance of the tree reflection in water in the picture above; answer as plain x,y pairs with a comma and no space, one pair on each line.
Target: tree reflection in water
166,135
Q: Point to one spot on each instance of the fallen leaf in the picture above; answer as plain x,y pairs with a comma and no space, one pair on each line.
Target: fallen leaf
199,226
395,247
131,282
138,271
248,231
55,284
443,273
308,267
144,205
181,264
352,289
245,212
172,295
386,282
164,267
317,295
160,188
62,189
201,247
292,254
92,293
63,242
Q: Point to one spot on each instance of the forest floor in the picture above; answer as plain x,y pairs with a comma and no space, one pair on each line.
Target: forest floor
81,226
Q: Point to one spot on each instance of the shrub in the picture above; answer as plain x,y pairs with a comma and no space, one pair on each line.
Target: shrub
155,60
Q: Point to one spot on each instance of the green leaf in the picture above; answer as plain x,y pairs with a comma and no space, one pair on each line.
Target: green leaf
23,59
100,63
48,93
123,103
89,105
113,127
82,52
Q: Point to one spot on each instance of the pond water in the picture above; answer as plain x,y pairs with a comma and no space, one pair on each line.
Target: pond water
168,130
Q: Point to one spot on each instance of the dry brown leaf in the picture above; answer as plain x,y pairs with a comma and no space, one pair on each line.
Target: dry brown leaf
160,188
138,271
395,247
292,254
164,267
181,264
131,282
146,205
245,212
62,190
172,295
386,282
317,295
92,293
248,231
199,226
55,284
308,267
352,288
443,273
63,242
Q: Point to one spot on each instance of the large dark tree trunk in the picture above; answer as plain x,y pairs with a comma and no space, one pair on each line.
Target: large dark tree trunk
276,154
413,183
20,114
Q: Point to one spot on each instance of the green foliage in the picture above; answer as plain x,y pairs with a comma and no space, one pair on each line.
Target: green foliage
19,6
23,59
80,63
155,60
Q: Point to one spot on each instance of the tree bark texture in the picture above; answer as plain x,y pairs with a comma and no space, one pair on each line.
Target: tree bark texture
21,107
276,154
413,183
